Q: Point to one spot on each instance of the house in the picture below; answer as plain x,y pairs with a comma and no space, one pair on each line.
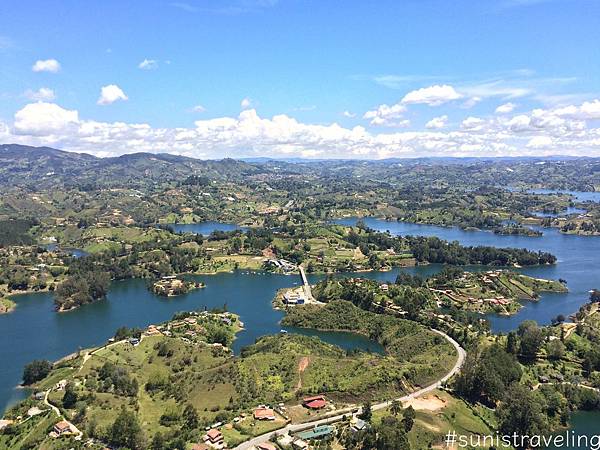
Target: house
266,446
299,444
62,427
5,423
316,402
264,414
358,425
214,438
318,432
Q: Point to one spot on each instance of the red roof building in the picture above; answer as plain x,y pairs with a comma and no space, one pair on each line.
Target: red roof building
214,436
315,402
264,414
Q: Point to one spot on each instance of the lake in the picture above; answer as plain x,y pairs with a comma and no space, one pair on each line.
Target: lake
203,228
578,195
578,263
584,423
35,331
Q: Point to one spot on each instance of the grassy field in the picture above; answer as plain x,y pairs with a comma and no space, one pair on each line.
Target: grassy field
425,355
6,305
439,412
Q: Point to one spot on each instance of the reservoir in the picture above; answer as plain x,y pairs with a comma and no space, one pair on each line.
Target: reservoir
35,331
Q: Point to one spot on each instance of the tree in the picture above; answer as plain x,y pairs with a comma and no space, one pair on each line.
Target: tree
35,371
532,338
521,412
70,397
395,407
190,417
391,435
555,349
158,442
408,418
595,296
512,343
126,431
367,412
487,373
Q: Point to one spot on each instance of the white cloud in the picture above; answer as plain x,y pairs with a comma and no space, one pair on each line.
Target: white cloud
46,65
198,109
506,108
539,142
495,88
590,110
561,131
470,102
110,94
246,103
472,123
432,95
148,64
348,114
42,94
437,122
387,116
42,119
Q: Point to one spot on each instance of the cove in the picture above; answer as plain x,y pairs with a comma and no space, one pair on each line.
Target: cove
34,331
578,263
584,423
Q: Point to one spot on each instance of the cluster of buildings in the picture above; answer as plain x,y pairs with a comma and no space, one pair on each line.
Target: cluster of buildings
283,264
294,297
170,286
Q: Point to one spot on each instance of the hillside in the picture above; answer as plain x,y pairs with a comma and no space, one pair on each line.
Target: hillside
45,167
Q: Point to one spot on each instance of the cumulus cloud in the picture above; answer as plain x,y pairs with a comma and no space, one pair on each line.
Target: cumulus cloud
348,114
110,94
46,65
506,108
472,123
246,103
198,109
432,95
437,122
148,64
561,131
387,116
470,102
42,94
43,119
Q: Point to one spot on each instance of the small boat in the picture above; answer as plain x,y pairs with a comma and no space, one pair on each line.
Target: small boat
282,331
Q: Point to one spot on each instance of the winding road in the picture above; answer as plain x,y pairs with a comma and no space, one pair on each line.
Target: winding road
293,428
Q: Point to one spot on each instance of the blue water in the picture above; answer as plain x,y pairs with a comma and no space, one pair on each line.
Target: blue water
568,211
203,228
578,263
35,331
578,195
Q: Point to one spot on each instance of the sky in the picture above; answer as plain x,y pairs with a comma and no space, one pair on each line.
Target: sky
302,78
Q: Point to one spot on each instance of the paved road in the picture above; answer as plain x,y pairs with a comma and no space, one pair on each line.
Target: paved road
342,413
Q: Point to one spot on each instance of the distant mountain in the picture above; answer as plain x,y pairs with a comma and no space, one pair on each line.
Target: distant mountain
45,167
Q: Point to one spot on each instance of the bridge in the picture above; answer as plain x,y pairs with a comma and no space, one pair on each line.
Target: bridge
306,286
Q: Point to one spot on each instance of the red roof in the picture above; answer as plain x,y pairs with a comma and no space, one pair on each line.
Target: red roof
263,413
310,399
214,434
315,404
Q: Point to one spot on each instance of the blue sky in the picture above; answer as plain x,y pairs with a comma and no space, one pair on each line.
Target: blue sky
302,78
